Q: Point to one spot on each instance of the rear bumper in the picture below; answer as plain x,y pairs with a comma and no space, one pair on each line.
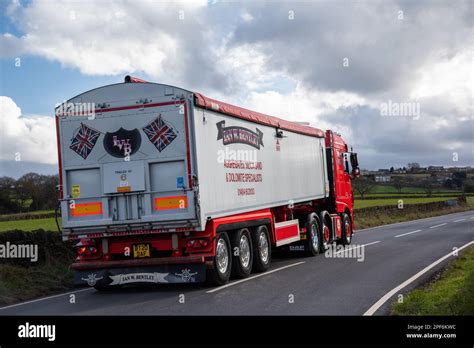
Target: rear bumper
190,269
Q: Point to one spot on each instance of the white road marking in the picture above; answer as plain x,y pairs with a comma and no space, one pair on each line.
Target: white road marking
363,245
395,290
439,225
46,298
255,276
459,220
408,222
405,234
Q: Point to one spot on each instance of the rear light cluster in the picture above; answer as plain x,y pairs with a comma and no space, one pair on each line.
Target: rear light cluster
86,247
87,251
197,243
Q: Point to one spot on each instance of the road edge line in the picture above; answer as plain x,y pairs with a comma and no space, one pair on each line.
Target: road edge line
45,298
392,292
408,221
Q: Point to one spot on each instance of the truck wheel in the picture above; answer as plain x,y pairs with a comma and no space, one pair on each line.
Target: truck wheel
261,249
325,236
242,253
220,273
346,229
313,240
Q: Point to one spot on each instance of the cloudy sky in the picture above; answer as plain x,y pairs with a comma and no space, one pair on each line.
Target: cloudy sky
336,64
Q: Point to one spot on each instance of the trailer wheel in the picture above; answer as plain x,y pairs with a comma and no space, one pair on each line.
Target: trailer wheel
261,249
242,253
101,286
346,229
222,262
313,239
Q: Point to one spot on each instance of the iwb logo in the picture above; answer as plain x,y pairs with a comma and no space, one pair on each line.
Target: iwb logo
123,143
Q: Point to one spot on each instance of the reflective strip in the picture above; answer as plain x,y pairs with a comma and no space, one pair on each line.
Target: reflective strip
93,208
124,189
174,202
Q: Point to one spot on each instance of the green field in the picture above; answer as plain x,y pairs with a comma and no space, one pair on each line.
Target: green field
30,225
367,203
408,189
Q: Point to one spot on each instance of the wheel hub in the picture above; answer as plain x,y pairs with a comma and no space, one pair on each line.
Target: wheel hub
244,251
263,247
222,257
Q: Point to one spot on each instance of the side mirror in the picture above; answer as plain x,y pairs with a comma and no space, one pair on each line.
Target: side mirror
354,161
355,165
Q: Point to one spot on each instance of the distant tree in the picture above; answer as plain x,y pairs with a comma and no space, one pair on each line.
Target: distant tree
8,202
428,187
392,169
398,183
449,184
413,166
363,185
459,178
469,186
40,189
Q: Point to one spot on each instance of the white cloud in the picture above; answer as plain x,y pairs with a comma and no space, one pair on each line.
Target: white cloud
252,55
32,137
451,79
303,105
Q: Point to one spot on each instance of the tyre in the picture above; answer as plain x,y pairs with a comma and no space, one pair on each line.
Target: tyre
219,274
101,286
261,249
325,234
313,240
346,229
242,253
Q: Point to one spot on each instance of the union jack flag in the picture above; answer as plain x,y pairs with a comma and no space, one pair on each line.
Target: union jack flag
159,133
84,140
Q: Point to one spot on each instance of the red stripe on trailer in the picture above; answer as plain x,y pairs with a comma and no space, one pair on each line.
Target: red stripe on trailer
59,161
253,116
254,215
188,151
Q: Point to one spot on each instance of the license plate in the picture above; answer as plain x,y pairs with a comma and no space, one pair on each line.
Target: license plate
141,250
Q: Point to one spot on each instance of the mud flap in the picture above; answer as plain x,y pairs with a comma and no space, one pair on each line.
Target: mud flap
193,273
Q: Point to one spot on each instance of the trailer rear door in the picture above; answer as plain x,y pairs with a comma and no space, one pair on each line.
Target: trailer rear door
129,166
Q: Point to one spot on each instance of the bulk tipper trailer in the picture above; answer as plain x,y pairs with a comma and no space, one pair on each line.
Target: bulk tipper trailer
163,185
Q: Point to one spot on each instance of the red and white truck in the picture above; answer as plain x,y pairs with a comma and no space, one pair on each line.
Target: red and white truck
159,184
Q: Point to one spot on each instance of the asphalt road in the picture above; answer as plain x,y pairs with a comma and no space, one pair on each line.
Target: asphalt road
295,285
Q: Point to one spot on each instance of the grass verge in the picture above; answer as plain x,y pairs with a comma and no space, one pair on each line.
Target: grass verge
450,292
22,280
384,215
367,203
30,225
